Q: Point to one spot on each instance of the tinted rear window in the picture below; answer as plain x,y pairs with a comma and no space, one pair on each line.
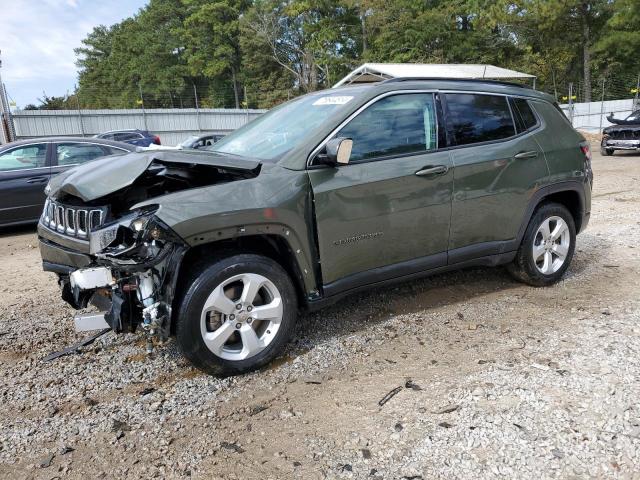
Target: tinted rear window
474,118
123,137
527,117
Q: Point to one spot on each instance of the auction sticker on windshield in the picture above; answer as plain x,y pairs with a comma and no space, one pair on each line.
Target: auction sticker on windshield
334,100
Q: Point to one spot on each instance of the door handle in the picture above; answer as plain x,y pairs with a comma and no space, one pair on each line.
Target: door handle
436,170
37,179
523,155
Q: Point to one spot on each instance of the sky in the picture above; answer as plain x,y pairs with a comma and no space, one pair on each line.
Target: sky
37,38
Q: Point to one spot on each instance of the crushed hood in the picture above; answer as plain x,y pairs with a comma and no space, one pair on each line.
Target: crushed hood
101,177
620,121
621,128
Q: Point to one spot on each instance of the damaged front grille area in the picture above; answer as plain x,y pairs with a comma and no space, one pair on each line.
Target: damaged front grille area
71,221
624,134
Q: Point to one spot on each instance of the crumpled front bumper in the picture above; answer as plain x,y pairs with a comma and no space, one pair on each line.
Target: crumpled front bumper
62,254
620,144
142,287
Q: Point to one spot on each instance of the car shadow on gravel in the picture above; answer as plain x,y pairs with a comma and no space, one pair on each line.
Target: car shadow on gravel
357,312
18,230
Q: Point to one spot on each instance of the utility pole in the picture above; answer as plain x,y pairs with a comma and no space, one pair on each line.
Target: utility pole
144,114
571,103
79,110
195,96
7,132
635,99
602,105
246,104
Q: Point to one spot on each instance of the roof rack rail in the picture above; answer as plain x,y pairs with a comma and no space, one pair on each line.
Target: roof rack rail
453,79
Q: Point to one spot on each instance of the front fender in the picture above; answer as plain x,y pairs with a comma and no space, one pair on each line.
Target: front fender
276,202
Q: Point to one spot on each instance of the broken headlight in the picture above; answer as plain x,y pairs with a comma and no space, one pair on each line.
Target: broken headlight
138,237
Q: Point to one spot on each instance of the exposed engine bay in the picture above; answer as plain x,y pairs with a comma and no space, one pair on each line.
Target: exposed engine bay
128,258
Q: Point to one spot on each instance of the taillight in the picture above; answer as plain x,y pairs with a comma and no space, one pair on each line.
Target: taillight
586,151
156,140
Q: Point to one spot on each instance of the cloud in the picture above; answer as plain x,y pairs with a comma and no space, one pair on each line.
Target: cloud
37,38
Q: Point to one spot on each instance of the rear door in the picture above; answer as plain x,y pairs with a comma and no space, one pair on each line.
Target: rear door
24,173
386,213
498,165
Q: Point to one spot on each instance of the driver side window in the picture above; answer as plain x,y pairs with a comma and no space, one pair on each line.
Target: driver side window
395,125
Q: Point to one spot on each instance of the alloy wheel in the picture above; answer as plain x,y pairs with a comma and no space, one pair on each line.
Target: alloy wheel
241,316
551,245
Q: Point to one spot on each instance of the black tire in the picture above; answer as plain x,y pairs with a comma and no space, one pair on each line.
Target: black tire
607,152
201,283
523,267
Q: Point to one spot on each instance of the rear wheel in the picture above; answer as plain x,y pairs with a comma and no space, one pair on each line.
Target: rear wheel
237,314
547,247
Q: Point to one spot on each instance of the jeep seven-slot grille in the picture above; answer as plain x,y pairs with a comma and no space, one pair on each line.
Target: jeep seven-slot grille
71,221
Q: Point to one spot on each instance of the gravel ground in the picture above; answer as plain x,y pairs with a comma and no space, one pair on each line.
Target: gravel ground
492,378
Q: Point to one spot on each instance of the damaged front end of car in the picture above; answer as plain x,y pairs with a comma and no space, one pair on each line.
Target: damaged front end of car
138,259
100,233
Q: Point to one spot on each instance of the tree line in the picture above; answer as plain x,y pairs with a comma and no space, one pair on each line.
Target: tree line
258,53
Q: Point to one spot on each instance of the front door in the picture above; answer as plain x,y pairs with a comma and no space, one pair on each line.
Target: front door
386,214
24,173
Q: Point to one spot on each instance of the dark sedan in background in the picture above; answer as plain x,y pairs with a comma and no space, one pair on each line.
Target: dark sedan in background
140,138
27,165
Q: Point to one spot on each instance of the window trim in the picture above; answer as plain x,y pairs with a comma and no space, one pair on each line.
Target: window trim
439,96
47,159
535,114
488,142
321,145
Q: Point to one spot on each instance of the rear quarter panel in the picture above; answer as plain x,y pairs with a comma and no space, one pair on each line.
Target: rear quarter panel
560,144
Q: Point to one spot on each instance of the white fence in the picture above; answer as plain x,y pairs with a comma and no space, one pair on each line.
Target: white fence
171,125
591,116
174,125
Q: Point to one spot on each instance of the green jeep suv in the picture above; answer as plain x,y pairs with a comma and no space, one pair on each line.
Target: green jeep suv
328,194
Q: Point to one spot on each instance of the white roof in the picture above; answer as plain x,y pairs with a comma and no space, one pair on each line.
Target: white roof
375,72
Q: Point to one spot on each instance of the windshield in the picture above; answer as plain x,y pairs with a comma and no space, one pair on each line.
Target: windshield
284,128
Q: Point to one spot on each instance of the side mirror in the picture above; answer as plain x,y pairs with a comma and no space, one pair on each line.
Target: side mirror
337,152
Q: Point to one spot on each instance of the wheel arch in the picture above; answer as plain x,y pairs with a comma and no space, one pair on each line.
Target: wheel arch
271,245
569,194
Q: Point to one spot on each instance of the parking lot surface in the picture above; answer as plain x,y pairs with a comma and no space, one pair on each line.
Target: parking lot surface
484,378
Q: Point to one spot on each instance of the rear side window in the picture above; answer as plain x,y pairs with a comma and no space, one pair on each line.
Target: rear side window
474,118
113,150
75,153
395,125
123,137
525,117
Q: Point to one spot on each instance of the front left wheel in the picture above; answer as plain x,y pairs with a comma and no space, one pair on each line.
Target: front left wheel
237,314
